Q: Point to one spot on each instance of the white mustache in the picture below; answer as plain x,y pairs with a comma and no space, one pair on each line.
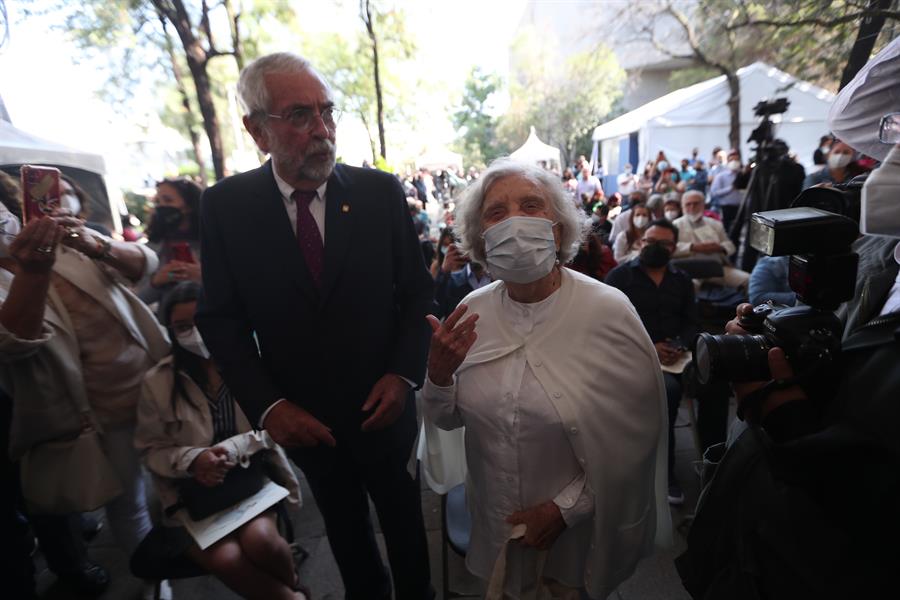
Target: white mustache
320,146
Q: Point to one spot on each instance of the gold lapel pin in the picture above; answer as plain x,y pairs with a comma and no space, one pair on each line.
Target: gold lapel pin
345,208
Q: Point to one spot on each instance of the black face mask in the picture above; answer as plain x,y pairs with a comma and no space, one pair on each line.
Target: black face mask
165,223
654,256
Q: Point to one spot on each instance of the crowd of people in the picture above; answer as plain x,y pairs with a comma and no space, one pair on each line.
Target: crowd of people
252,332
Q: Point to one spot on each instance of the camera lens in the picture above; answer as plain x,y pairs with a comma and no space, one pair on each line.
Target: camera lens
731,358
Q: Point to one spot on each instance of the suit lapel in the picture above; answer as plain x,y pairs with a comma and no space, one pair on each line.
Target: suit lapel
338,227
277,227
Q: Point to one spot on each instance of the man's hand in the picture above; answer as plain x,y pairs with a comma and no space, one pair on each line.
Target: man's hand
780,369
543,523
453,260
667,354
387,397
211,466
291,426
733,327
706,247
450,342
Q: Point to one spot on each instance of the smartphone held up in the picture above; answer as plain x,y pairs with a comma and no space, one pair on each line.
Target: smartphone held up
40,191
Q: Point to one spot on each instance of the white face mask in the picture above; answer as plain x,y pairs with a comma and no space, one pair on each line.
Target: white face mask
520,249
640,222
734,165
662,166
672,215
880,201
71,203
839,161
193,343
10,226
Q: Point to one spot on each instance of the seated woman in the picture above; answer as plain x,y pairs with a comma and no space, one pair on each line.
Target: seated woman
559,435
190,426
627,244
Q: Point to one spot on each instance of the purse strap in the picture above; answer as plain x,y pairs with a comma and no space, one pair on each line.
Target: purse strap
88,420
497,582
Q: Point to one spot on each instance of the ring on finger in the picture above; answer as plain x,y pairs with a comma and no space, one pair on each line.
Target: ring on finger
45,249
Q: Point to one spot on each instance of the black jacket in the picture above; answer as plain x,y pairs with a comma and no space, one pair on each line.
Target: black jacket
322,350
806,506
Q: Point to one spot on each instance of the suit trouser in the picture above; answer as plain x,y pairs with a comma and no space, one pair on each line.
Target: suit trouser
341,487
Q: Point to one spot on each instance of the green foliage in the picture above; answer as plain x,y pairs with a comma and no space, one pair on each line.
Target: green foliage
476,127
347,65
563,102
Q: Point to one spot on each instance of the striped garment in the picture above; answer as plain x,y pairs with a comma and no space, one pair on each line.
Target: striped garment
222,410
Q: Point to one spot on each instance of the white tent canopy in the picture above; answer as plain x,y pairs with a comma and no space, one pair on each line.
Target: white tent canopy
19,147
697,117
439,159
535,151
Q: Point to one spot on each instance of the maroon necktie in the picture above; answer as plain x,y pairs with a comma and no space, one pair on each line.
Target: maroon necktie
308,235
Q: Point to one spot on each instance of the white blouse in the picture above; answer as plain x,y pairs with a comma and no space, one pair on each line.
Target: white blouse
519,456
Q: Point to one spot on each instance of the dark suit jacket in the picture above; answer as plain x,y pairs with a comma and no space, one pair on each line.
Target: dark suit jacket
323,351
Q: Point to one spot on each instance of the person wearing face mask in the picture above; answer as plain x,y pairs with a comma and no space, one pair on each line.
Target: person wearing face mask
628,243
533,375
821,476
723,194
664,299
705,237
75,343
840,166
627,181
189,426
672,209
820,153
174,233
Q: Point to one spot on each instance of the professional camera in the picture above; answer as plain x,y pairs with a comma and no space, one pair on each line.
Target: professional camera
822,273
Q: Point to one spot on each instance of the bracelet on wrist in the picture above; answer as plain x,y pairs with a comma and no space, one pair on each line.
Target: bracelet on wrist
103,247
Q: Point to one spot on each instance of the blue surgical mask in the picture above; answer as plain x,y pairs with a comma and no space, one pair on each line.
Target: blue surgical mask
520,249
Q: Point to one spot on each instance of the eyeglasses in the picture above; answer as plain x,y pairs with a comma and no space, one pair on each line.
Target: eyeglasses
889,128
664,243
303,119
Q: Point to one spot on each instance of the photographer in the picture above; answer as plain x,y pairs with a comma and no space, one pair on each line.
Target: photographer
804,502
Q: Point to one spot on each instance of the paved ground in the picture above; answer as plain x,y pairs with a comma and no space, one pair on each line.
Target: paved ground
655,579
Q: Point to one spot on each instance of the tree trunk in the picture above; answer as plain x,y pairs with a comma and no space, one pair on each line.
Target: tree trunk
869,28
189,120
208,110
197,57
378,96
734,109
235,34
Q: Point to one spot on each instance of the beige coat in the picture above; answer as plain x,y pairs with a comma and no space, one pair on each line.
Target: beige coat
169,440
43,375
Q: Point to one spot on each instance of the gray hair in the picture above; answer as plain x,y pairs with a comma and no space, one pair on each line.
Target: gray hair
251,85
654,201
468,224
685,195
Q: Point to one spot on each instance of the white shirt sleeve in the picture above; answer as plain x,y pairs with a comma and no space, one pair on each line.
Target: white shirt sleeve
439,405
575,502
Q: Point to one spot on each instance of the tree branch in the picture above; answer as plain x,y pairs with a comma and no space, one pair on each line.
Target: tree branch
818,21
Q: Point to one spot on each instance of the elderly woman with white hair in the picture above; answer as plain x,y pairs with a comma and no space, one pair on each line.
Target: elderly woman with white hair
559,389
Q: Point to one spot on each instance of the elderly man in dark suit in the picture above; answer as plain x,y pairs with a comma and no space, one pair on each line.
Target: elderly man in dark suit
322,341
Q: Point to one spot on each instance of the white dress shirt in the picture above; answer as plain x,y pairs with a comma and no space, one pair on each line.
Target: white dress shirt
705,230
316,206
525,459
893,302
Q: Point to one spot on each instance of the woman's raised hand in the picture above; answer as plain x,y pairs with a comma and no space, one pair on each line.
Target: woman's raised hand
450,342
